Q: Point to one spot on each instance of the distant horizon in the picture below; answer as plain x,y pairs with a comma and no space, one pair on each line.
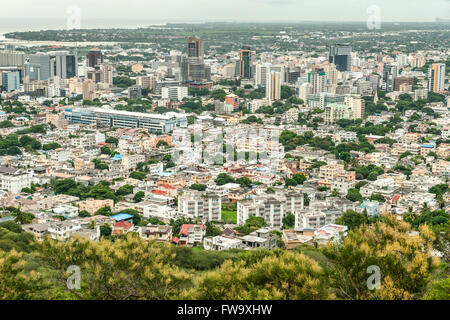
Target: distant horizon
8,25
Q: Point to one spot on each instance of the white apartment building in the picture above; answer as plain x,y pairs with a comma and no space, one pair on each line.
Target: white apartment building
63,230
271,209
14,180
174,93
197,204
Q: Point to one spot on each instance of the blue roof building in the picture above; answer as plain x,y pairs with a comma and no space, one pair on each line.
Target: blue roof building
123,217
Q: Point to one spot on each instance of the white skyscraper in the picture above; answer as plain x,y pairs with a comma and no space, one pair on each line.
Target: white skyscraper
273,86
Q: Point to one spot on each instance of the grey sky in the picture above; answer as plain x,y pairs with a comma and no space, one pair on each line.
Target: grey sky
229,10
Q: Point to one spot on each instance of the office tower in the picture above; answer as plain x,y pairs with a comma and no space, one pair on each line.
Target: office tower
402,80
146,82
195,48
245,59
279,69
10,80
375,80
317,79
436,77
193,68
357,104
293,74
88,90
304,89
43,61
332,73
340,55
94,57
389,75
63,64
273,86
93,74
261,73
134,92
32,72
106,74
12,58
174,93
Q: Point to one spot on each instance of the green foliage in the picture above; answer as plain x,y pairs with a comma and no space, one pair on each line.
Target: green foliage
288,221
103,211
139,196
290,140
51,146
138,175
223,178
352,219
354,195
124,190
198,187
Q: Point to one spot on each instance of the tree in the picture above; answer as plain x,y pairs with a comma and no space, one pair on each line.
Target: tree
288,221
103,211
377,197
23,217
139,196
105,230
352,219
51,146
105,150
15,282
138,175
84,214
212,230
198,187
405,261
124,269
112,140
162,143
124,190
354,195
223,178
285,275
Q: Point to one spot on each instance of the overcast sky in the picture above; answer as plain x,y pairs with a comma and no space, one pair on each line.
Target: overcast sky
229,10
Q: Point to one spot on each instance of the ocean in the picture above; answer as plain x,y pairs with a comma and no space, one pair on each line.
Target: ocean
21,25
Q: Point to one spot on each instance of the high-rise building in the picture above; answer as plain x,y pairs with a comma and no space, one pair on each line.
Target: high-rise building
260,75
245,59
174,93
94,57
402,80
436,77
389,76
341,55
12,58
273,86
146,82
11,80
88,90
43,61
195,48
63,65
357,104
317,79
32,72
193,68
134,92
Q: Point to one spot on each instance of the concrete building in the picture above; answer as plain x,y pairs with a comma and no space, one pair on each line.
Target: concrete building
273,86
201,205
